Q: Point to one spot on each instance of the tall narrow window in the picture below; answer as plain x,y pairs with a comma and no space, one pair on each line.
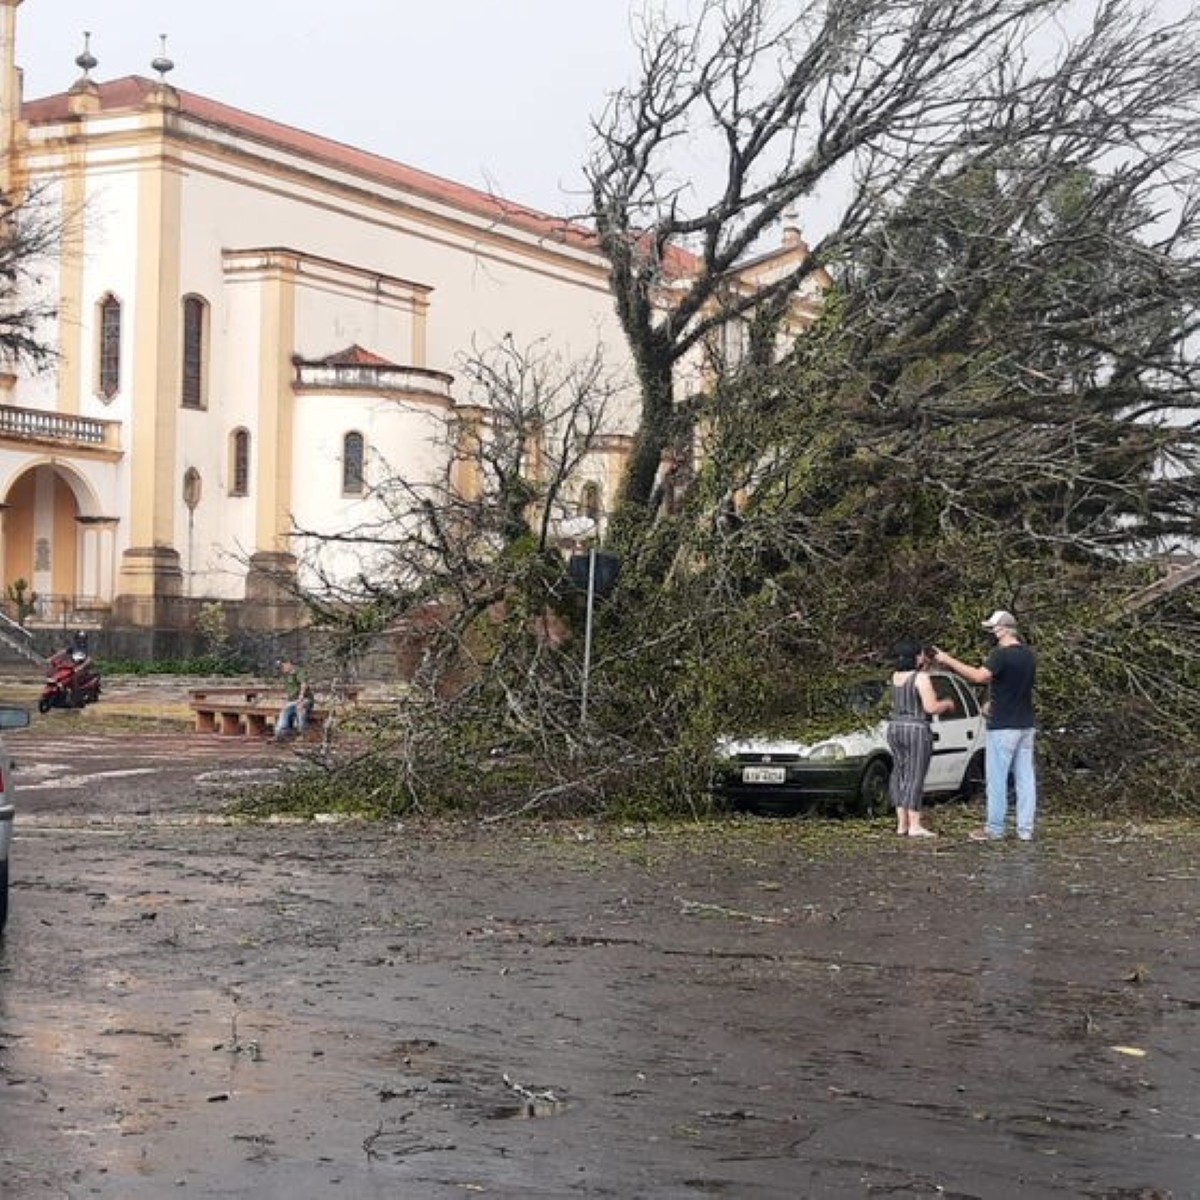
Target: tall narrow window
110,347
239,463
352,464
195,329
589,501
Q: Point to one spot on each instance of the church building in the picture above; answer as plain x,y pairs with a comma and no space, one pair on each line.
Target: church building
247,317
248,320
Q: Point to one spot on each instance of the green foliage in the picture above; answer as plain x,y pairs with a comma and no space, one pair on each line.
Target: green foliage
206,665
1118,700
23,600
213,625
995,408
363,787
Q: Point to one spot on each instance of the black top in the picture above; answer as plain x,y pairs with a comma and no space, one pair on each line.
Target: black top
1013,670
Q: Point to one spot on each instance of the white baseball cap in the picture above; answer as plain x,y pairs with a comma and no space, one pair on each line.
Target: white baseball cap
1000,619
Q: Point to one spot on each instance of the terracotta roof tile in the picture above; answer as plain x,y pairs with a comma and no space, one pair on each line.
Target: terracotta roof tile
133,92
355,356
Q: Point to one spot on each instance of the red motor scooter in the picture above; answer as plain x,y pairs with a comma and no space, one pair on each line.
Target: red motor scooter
72,681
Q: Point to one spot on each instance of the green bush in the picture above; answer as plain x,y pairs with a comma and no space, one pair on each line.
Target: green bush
206,665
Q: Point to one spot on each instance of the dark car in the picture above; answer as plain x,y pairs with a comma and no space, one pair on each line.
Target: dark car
850,771
11,717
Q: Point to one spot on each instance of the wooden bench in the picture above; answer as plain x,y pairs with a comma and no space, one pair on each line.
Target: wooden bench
252,710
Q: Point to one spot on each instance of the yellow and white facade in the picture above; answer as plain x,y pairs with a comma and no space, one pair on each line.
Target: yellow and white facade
248,317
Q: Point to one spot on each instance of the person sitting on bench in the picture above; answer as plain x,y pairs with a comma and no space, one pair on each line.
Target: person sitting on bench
299,699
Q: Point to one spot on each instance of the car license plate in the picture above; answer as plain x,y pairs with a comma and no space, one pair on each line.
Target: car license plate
763,774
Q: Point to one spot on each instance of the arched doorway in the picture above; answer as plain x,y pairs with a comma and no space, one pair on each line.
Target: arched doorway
52,541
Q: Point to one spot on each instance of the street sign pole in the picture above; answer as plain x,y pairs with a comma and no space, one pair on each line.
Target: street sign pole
587,634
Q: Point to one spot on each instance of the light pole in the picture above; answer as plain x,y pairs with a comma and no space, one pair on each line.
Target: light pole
577,529
597,581
587,632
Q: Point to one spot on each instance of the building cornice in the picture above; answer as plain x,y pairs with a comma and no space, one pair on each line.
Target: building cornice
197,117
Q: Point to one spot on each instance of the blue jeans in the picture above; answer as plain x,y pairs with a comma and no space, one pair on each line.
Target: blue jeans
1010,752
294,712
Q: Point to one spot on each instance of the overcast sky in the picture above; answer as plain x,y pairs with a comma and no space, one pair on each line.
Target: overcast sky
492,93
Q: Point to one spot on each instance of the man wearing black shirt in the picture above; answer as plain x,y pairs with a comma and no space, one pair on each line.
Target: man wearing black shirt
1010,671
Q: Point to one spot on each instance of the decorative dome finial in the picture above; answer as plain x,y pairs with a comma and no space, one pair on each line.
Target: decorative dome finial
162,64
86,60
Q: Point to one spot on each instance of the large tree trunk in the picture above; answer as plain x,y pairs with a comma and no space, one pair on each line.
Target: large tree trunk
655,431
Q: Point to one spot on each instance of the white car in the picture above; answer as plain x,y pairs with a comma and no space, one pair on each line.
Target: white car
11,717
850,771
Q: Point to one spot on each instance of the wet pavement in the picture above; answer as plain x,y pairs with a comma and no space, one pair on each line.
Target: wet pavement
758,1009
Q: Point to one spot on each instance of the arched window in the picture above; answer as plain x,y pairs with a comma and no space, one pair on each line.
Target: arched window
194,384
352,464
239,462
109,358
589,501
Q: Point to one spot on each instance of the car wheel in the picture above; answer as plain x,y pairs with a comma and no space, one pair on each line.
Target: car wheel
873,787
974,781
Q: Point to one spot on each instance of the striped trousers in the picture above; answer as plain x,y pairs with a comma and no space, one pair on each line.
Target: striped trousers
911,743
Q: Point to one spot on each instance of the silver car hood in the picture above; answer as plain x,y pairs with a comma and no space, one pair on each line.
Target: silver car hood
856,744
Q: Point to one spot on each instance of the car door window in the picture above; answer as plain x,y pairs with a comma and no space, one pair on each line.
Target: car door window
945,688
968,701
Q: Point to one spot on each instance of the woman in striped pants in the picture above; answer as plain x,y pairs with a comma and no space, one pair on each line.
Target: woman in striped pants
914,704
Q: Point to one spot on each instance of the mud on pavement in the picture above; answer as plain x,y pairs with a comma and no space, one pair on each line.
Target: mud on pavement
759,1009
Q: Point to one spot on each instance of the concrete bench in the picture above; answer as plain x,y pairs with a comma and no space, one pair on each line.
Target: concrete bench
252,710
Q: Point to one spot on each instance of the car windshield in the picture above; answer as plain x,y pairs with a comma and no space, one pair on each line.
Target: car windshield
824,707
864,698
841,707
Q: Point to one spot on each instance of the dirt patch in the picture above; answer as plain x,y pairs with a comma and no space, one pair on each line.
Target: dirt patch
763,1008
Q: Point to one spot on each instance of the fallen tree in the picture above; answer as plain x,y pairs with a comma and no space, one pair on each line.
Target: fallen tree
995,405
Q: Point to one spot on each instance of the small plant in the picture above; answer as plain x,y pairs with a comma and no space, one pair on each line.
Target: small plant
213,626
23,599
